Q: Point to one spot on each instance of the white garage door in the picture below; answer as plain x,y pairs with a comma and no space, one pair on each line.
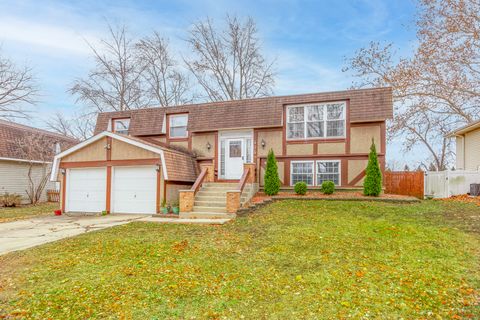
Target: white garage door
134,189
86,190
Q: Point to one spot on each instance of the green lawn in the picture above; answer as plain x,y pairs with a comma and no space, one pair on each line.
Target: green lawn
27,211
292,259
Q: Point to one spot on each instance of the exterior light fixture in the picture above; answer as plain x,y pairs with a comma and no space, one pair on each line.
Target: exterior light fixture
107,146
263,144
209,146
158,167
63,171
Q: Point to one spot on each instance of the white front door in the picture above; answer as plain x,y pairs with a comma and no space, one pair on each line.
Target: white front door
86,190
234,158
134,189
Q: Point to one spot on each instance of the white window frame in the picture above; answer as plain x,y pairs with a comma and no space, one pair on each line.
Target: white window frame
171,117
330,161
121,131
303,161
325,120
314,162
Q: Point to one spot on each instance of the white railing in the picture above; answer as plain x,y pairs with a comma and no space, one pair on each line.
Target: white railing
444,184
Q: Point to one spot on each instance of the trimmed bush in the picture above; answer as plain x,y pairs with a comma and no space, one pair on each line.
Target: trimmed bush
328,187
372,186
272,181
300,188
10,200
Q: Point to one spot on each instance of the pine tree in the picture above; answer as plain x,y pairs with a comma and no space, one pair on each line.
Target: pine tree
372,185
272,181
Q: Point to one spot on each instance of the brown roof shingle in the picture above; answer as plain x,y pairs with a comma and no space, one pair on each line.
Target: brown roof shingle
13,135
366,105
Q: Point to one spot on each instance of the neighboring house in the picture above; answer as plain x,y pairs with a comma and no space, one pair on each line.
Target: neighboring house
467,146
141,158
23,148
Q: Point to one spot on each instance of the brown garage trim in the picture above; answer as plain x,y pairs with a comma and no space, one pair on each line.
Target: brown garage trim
64,190
158,192
85,164
109,189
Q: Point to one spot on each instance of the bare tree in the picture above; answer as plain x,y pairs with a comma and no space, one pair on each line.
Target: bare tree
229,64
165,84
436,89
38,150
17,89
115,82
80,126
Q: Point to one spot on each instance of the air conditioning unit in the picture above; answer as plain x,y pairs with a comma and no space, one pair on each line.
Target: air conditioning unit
475,189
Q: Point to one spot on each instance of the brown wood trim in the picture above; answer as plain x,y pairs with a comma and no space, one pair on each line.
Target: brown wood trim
108,149
383,133
366,124
284,131
344,172
356,156
165,190
286,173
311,141
64,190
198,183
315,148
86,164
268,129
157,197
108,190
348,132
357,178
228,180
173,182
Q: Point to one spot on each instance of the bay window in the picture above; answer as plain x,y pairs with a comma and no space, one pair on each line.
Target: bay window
314,173
322,120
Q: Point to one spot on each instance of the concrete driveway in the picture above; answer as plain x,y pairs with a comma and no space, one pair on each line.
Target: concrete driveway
23,234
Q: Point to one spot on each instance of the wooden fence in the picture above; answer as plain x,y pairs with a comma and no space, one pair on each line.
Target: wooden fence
408,183
53,195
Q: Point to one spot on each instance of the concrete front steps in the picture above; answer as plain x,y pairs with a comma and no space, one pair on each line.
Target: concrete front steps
211,201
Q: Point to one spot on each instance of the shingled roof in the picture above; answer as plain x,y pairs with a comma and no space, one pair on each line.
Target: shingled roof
366,105
13,135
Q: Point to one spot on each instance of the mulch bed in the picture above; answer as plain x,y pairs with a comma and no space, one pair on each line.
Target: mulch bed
337,195
463,198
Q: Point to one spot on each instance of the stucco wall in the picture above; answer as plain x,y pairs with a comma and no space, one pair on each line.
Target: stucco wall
472,150
355,167
361,138
183,144
331,148
159,139
273,140
93,152
459,154
124,151
299,149
199,145
172,191
281,173
14,178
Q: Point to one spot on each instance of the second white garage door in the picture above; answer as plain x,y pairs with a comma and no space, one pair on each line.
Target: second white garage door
134,189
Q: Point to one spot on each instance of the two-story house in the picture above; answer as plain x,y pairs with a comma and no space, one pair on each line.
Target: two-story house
140,158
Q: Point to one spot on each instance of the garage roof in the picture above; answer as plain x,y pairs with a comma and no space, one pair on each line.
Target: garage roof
176,165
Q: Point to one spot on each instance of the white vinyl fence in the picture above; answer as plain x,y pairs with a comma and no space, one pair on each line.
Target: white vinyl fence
444,184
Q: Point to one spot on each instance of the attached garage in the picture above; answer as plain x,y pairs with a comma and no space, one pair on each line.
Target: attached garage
134,189
86,190
121,174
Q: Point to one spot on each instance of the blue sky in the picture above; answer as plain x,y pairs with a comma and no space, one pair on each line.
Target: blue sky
308,39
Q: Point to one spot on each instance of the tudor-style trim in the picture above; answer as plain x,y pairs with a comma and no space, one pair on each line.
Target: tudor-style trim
108,190
99,136
104,163
358,178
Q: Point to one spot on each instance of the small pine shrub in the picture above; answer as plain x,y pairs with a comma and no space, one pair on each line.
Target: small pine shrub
328,187
372,186
300,188
272,181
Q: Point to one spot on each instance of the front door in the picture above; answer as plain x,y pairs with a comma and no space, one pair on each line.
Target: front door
234,158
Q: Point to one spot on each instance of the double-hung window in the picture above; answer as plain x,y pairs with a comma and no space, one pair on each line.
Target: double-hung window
178,126
121,125
322,120
314,173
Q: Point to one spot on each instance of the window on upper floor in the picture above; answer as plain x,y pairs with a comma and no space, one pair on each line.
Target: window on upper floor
178,126
121,125
313,121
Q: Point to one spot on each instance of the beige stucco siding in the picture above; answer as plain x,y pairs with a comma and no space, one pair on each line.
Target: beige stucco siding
299,149
472,150
172,192
125,151
14,178
92,152
331,148
355,167
281,173
183,144
361,138
199,145
273,140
